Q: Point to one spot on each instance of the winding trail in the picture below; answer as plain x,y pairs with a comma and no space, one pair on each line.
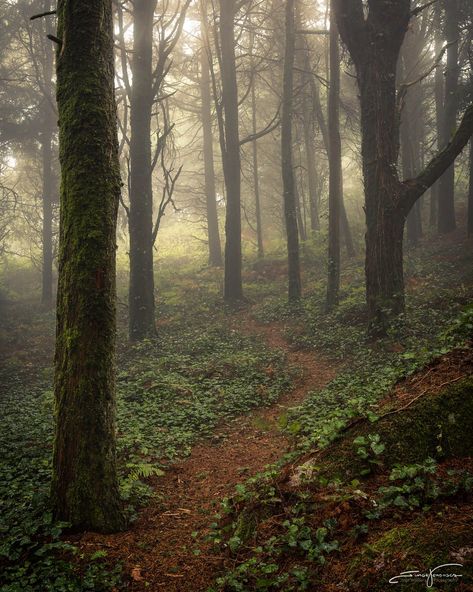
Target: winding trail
157,552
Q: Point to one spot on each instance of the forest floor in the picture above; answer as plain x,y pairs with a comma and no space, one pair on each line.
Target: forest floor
202,412
157,552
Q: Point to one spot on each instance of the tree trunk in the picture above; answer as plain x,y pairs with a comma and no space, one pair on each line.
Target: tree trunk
308,119
439,93
374,43
84,485
446,205
335,169
408,164
299,211
345,225
470,194
289,188
259,227
47,134
215,251
375,48
48,191
311,171
141,289
233,289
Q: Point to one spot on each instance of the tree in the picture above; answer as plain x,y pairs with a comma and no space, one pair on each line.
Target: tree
230,145
470,193
215,251
374,42
319,115
145,100
48,112
84,485
254,146
289,189
335,168
439,91
142,98
446,204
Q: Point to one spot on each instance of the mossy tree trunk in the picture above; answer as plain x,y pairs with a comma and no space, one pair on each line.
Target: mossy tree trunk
84,485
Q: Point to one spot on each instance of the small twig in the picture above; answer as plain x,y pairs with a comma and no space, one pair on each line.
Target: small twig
314,31
42,14
54,39
419,9
419,396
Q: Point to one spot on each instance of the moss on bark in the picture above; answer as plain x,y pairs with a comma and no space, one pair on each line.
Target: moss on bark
84,486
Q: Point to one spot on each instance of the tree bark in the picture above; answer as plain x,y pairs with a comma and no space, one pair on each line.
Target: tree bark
345,225
335,169
470,194
259,226
233,289
345,229
48,200
289,189
408,170
374,44
311,170
141,289
446,204
48,189
84,485
215,250
439,92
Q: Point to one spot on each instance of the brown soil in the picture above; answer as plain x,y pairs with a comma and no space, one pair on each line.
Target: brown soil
157,552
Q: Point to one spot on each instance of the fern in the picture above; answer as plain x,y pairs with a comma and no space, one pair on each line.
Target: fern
142,471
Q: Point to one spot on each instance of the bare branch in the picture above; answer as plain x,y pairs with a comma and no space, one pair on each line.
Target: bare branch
313,32
42,14
419,9
272,125
439,164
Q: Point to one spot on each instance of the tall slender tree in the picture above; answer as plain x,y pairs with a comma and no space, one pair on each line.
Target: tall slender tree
289,187
215,251
439,94
230,144
84,485
141,288
470,194
335,168
256,183
446,204
48,133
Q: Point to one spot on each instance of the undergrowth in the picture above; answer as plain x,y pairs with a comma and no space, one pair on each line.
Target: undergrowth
171,391
438,319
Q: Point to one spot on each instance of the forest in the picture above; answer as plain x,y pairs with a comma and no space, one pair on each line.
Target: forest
236,295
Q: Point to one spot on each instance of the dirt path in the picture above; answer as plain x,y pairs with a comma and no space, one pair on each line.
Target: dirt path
158,550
